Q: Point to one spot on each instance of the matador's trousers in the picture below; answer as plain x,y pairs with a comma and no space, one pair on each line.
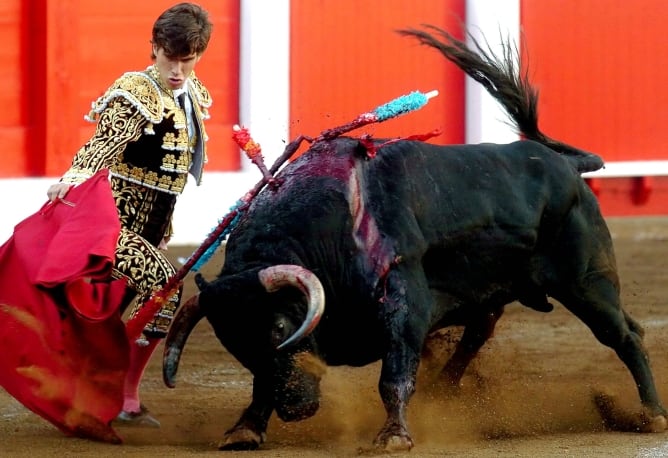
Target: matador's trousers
145,215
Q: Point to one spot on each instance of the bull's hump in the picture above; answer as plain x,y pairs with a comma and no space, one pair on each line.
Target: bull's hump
319,164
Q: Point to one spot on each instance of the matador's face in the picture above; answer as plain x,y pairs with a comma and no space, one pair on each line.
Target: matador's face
174,70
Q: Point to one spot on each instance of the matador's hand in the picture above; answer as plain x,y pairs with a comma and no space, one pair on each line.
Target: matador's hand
58,191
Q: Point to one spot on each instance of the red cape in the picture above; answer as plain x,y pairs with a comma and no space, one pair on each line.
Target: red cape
64,347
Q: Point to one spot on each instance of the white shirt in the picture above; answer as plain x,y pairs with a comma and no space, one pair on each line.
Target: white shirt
195,166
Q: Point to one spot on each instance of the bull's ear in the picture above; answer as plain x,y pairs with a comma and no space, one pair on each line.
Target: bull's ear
200,281
230,288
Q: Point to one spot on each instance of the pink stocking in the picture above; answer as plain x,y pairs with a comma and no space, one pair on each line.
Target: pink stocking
139,358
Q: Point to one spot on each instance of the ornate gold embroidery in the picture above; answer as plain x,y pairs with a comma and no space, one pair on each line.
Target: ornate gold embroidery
165,182
202,95
169,141
133,106
150,177
117,126
182,140
168,162
179,118
176,142
146,269
179,182
133,216
181,165
142,92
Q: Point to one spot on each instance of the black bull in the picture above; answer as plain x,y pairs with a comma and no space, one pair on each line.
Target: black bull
378,252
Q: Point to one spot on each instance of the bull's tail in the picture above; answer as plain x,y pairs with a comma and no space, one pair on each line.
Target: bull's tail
502,78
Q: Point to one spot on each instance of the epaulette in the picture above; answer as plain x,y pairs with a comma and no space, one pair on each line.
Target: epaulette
140,90
202,93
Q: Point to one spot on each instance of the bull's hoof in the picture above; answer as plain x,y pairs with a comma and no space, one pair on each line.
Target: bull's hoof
242,439
616,419
394,443
399,444
657,424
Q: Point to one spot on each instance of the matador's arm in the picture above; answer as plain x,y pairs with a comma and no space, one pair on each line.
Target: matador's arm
119,124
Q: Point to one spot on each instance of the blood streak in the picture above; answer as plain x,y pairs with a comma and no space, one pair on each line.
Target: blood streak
377,254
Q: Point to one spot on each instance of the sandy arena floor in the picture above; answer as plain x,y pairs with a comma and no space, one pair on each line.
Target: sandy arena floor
527,395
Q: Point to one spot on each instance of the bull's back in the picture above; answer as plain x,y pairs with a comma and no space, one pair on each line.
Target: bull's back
443,192
415,196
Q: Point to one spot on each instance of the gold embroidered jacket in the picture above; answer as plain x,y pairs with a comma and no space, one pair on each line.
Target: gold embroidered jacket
142,136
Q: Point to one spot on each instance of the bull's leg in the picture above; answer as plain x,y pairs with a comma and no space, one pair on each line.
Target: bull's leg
250,431
596,302
405,312
476,333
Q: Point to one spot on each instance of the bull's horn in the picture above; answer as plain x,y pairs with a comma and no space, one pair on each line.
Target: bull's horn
184,322
275,277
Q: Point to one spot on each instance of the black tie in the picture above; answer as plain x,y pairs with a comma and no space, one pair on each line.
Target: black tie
182,100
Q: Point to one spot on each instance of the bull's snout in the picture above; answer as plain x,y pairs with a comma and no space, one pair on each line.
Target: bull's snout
297,393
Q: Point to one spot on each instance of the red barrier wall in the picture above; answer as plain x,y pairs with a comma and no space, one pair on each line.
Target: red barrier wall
60,55
598,64
346,60
601,69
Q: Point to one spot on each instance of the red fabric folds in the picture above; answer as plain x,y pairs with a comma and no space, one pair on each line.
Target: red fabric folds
64,348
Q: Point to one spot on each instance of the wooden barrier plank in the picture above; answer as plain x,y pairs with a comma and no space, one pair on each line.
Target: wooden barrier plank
600,68
61,80
346,60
